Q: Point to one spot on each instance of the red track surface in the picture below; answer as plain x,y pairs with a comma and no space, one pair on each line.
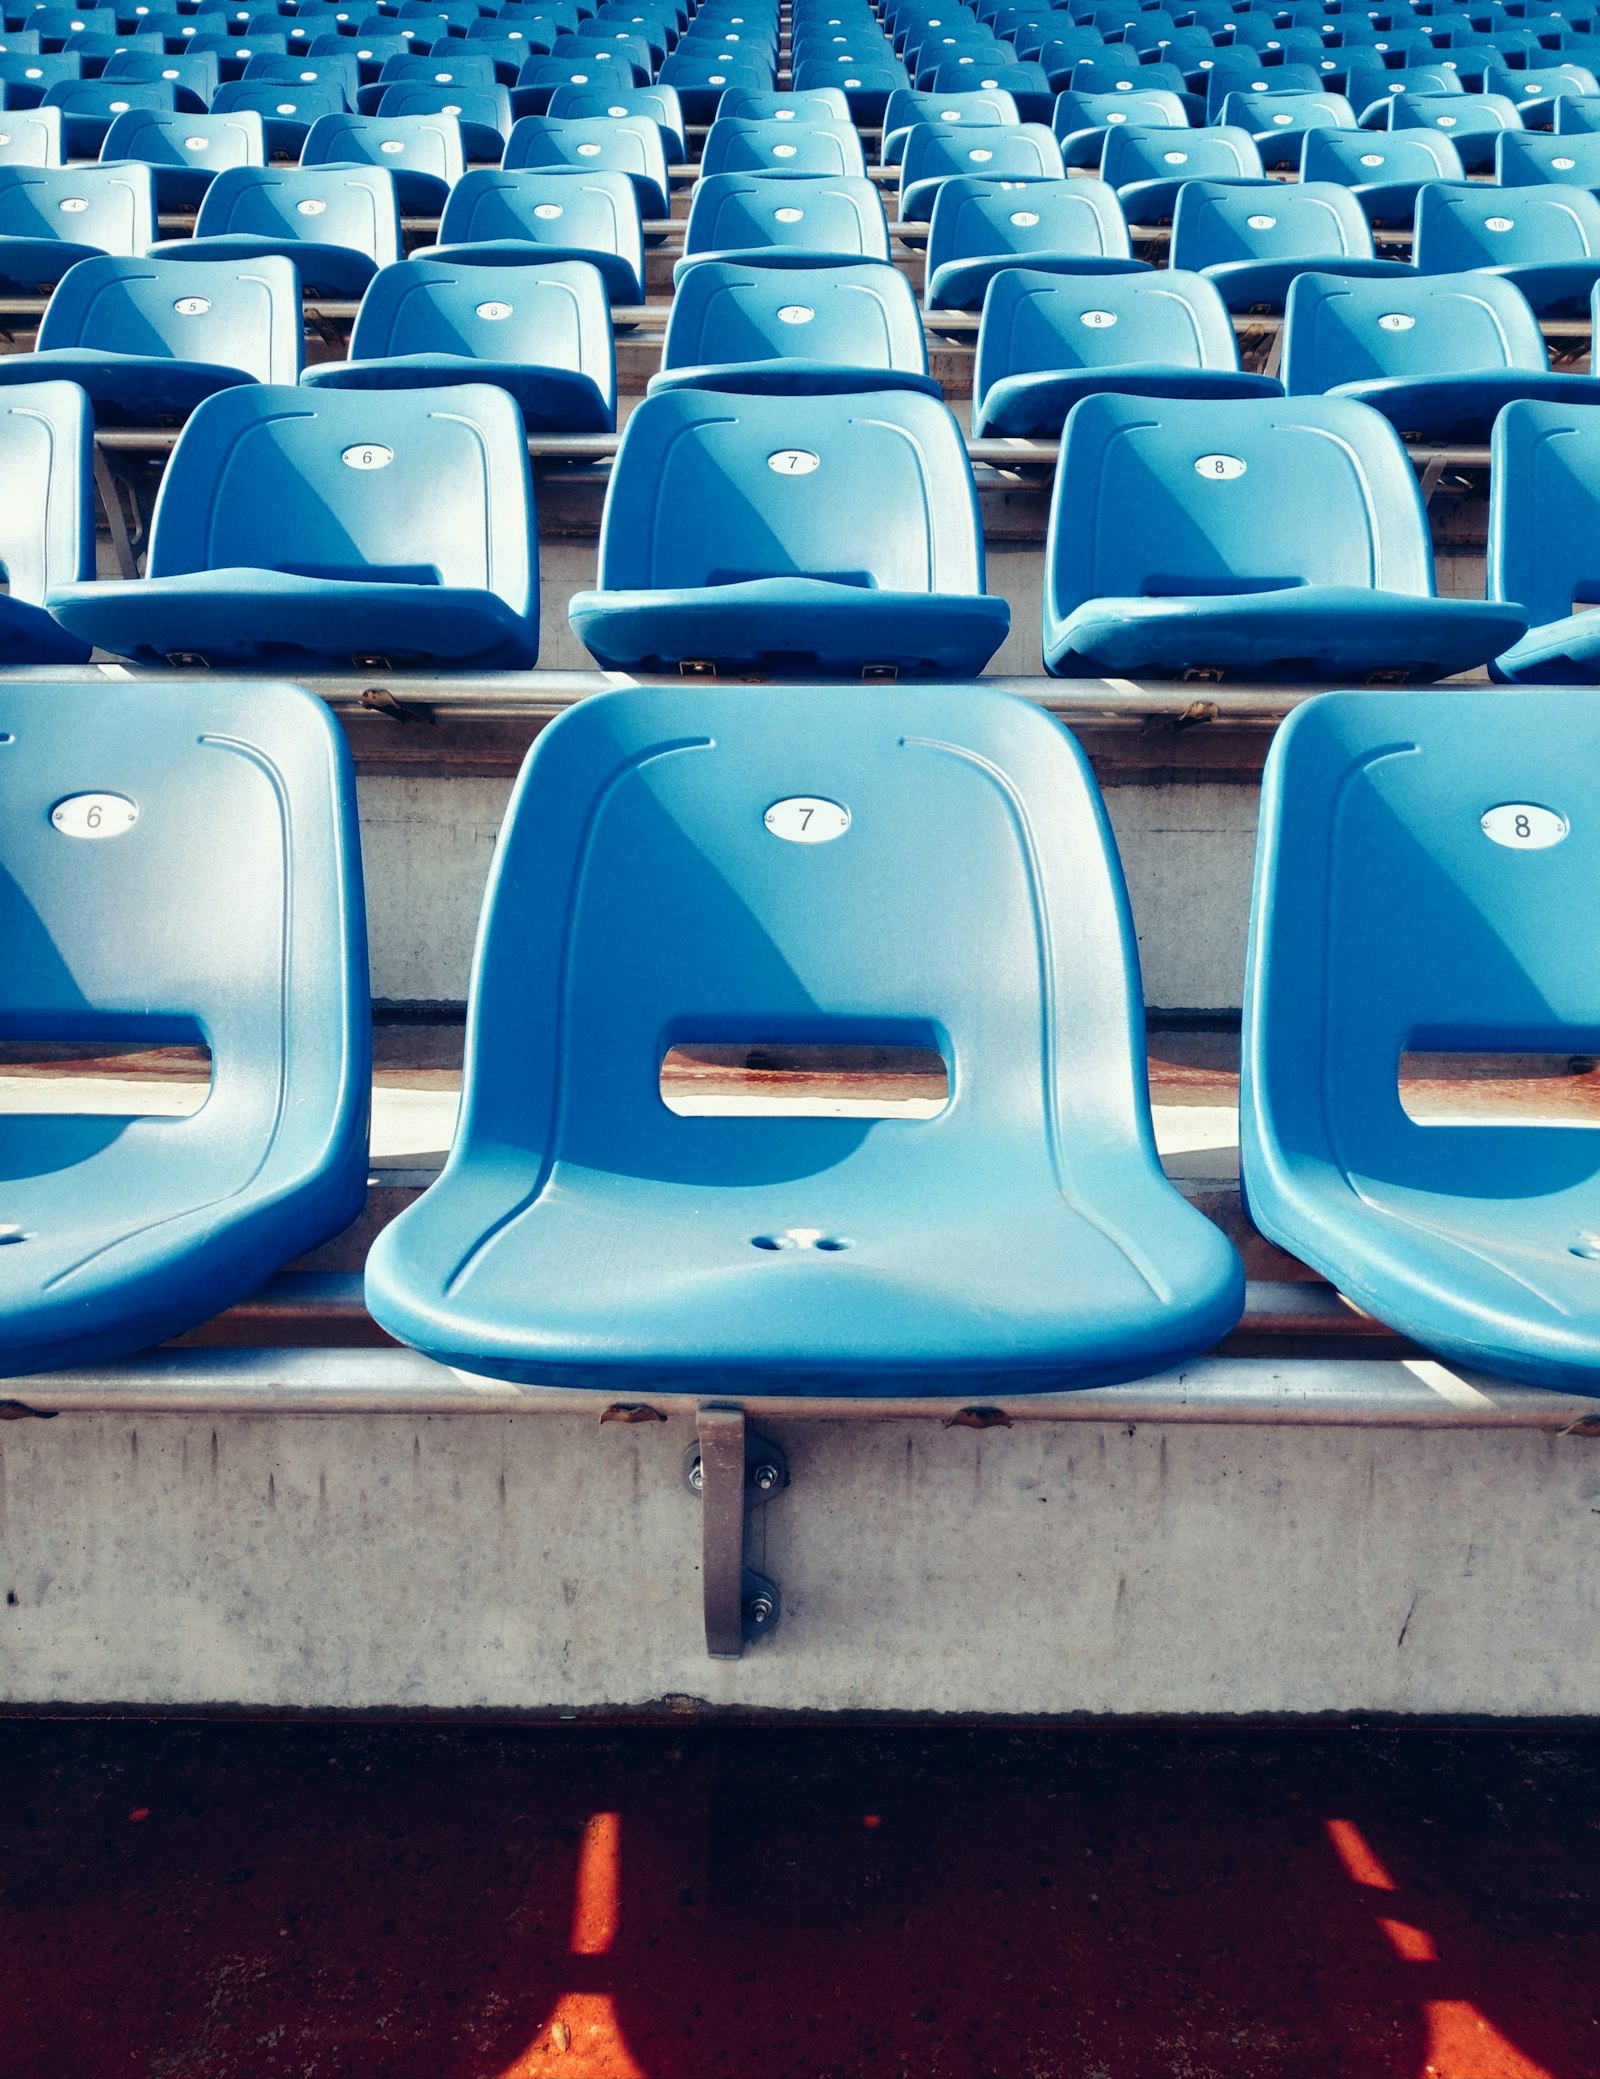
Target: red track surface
187,1902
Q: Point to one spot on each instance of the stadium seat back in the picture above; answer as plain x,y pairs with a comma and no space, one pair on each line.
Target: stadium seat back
1421,858
46,493
737,145
1475,225
426,145
244,316
592,214
31,137
655,822
863,318
631,144
186,151
739,212
872,491
108,208
1544,515
1214,222
350,206
1164,498
182,869
1540,158
1167,319
1367,157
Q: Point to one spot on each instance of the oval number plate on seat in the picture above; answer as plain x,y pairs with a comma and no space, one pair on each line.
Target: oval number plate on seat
94,815
807,819
1524,826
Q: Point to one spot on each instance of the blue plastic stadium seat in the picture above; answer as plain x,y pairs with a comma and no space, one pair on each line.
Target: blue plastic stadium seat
907,110
541,78
1242,72
1576,113
496,219
46,517
338,224
867,88
177,866
703,78
1544,522
832,534
1472,122
25,78
423,153
759,105
1147,167
632,145
1049,339
194,73
660,104
1024,1239
484,113
148,339
1439,356
1279,122
1084,122
1535,84
375,526
90,106
982,227
1005,151
1543,158
53,216
542,334
1423,859
1546,240
1383,169
783,220
1266,540
30,137
287,112
739,145
187,152
1252,241
469,66
1368,83
802,331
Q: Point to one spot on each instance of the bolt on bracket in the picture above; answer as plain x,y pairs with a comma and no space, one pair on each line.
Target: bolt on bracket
733,1472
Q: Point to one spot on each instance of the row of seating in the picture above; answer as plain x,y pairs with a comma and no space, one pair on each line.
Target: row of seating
1264,538
341,224
181,868
1438,355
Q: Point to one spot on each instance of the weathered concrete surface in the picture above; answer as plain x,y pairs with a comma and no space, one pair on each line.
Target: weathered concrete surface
535,1562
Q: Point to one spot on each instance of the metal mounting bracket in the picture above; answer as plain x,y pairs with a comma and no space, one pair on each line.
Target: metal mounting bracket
733,1472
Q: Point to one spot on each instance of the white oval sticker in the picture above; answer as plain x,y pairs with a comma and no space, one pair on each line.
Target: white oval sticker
392,145
1174,158
74,205
784,151
1116,115
1261,223
1024,219
1499,223
616,110
118,107
589,150
94,815
578,79
1523,826
313,206
197,144
788,216
547,212
783,115
793,462
949,115
369,457
1563,165
1097,320
1445,122
1281,118
981,156
807,819
1219,468
286,107
192,306
1396,321
491,311
1372,158
796,314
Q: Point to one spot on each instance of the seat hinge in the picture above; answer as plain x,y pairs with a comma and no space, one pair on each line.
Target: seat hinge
734,1472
